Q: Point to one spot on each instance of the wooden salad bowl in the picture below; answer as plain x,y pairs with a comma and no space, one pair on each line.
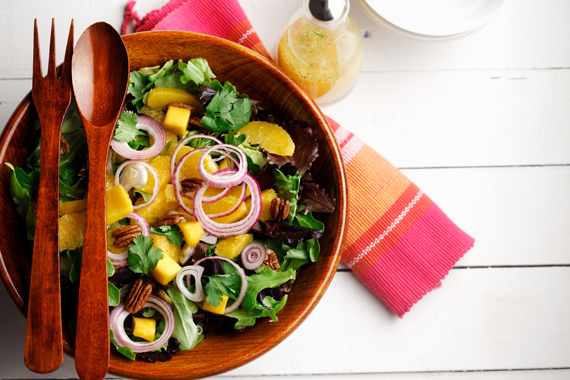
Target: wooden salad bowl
261,80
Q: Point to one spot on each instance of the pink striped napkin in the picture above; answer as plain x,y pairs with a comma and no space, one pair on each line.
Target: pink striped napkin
401,244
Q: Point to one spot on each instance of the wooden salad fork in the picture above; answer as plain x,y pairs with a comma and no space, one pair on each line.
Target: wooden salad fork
52,97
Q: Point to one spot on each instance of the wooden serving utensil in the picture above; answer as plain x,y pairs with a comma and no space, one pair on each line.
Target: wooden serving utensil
52,96
100,74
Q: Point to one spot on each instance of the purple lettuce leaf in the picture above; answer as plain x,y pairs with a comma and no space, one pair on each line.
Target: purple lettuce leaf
306,148
315,199
286,231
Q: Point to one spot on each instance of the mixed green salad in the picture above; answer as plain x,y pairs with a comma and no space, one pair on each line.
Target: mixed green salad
211,210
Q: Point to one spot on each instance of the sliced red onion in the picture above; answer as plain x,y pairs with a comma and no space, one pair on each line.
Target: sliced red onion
120,259
225,181
183,143
176,174
230,229
152,171
253,255
117,320
186,253
195,271
135,174
244,283
154,129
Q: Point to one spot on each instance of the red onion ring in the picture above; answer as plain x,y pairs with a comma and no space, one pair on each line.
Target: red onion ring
226,181
117,320
230,229
183,143
152,171
154,128
136,165
244,282
195,271
120,259
253,255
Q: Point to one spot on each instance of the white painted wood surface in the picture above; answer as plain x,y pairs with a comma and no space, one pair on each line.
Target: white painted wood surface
480,124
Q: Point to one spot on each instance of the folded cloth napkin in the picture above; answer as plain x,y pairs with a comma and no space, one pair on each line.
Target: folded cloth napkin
398,241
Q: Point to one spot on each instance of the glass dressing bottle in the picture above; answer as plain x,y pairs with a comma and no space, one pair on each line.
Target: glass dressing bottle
321,49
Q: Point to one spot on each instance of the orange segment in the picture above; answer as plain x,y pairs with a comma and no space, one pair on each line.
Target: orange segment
270,137
168,249
162,166
71,231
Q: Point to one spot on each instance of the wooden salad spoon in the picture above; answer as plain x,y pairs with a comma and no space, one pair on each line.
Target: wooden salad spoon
100,75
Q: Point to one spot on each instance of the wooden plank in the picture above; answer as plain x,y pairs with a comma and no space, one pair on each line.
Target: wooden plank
480,319
488,375
454,118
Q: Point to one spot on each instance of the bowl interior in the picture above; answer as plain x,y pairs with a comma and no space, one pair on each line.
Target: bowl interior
257,77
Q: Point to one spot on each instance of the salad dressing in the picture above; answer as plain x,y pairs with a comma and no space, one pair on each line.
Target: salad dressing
320,52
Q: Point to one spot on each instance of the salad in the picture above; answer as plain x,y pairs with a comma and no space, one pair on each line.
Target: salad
211,210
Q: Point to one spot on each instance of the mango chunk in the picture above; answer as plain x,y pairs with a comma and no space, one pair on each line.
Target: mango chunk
266,197
192,232
218,309
119,204
165,271
232,246
160,97
144,328
176,120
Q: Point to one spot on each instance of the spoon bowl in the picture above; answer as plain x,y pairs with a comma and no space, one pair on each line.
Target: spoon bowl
100,74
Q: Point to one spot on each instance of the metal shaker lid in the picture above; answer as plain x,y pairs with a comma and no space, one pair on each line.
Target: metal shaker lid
326,13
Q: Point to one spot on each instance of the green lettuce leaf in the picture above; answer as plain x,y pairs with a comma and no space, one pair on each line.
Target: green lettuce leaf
185,330
245,318
114,295
263,279
126,351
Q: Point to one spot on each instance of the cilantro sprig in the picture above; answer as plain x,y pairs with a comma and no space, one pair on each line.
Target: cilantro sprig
143,257
172,233
126,129
219,285
226,111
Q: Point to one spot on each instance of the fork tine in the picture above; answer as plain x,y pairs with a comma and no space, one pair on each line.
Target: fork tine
37,72
51,61
66,69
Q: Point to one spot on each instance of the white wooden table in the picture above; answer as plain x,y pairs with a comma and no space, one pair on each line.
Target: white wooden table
481,124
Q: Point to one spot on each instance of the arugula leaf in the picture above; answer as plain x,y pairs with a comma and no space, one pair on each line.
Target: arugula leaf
75,255
314,248
226,111
185,330
245,318
110,268
114,295
161,72
146,196
149,313
288,188
256,160
126,351
172,233
126,129
143,257
309,221
137,85
264,278
23,187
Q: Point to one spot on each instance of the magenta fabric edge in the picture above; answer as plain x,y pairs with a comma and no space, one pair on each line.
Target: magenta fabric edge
418,262
155,16
219,21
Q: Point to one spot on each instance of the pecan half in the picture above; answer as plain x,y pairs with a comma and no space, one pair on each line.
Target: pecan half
182,105
138,296
63,146
195,121
279,209
126,234
169,220
189,185
271,260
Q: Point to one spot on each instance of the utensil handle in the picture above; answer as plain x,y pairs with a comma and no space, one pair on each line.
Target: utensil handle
44,346
92,349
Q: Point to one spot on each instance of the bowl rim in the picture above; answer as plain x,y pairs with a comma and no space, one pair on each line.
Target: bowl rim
341,199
